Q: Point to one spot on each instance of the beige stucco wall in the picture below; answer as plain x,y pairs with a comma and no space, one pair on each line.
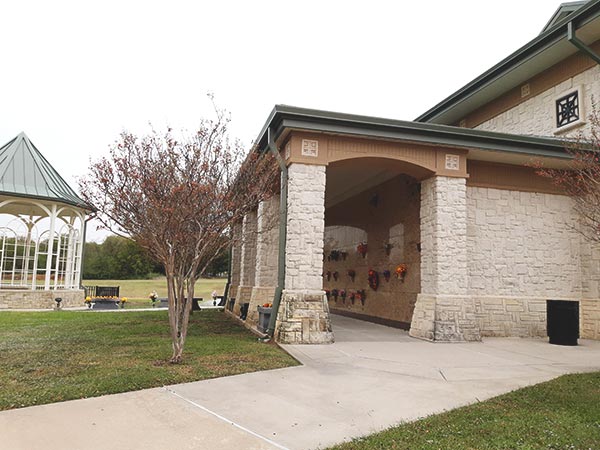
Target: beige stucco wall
537,116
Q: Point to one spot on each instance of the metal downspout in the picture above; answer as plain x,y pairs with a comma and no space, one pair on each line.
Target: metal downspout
573,39
282,234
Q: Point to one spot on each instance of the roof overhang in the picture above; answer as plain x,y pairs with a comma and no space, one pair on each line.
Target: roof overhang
549,48
482,145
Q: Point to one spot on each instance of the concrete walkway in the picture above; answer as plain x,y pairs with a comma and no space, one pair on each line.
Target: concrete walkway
371,378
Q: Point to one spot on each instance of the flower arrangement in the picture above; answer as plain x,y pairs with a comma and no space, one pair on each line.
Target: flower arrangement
267,305
352,274
328,275
387,274
327,293
343,255
123,301
153,298
361,295
401,271
343,295
334,255
336,275
362,249
334,294
352,296
88,302
373,279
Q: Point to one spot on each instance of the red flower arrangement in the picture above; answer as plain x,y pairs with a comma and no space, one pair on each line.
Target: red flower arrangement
373,279
343,295
362,249
334,294
335,275
401,271
361,295
352,274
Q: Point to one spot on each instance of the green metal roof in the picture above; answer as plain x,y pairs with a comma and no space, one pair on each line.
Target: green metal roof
563,11
289,117
547,49
24,172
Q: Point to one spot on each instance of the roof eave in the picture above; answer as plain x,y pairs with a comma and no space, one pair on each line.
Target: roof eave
292,118
545,40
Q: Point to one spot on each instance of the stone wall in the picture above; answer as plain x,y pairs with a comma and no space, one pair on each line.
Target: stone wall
524,248
444,311
303,313
393,220
537,116
23,299
267,249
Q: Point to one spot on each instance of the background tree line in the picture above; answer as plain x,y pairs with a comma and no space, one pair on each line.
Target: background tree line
118,258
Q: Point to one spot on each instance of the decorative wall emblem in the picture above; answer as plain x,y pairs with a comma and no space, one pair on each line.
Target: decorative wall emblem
310,148
567,109
452,162
288,150
525,90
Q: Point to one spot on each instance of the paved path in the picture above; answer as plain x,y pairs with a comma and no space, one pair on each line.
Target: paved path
371,378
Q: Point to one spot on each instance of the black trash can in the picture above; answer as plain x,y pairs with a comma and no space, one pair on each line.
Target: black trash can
264,316
244,311
231,304
562,318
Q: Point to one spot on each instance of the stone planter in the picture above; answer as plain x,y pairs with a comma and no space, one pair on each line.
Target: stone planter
264,316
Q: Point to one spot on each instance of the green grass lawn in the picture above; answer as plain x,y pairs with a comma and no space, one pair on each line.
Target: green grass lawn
137,291
561,414
48,357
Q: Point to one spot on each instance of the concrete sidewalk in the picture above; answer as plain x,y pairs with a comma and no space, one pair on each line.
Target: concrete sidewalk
371,378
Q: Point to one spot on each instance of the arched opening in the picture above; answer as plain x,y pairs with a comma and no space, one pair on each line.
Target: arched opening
372,233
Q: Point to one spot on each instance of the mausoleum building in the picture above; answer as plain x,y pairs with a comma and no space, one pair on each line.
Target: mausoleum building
440,225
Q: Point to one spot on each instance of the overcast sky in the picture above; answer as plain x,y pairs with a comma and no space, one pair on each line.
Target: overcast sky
75,74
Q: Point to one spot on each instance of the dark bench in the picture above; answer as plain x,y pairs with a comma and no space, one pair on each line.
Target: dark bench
105,304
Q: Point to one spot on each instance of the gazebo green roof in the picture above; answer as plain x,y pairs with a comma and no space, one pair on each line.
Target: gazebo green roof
24,172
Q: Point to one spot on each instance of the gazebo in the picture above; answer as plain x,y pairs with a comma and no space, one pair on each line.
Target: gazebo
42,231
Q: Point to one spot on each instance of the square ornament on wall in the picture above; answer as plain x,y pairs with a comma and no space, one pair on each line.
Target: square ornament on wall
310,147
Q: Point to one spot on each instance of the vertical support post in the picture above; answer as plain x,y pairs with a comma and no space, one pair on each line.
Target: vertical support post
444,311
50,247
303,315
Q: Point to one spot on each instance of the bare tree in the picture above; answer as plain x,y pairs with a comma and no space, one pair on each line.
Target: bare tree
581,180
178,199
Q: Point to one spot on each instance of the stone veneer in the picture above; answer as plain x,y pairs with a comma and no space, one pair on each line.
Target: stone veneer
523,249
537,116
303,316
24,299
247,261
267,246
444,311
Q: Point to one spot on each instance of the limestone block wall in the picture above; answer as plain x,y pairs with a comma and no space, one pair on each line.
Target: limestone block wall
395,221
537,116
305,227
267,249
522,244
248,256
23,299
523,249
444,311
303,315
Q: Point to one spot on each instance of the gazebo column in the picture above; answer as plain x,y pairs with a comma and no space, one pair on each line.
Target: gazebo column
236,261
247,261
267,245
303,316
444,311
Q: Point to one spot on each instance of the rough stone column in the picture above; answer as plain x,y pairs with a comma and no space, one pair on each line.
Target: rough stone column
444,311
236,260
267,246
247,261
303,316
